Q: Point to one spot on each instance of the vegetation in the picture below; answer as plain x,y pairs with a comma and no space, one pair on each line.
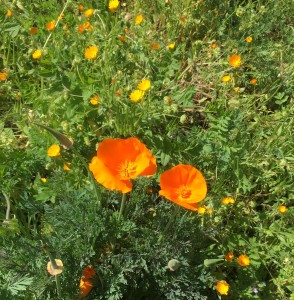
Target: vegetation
201,88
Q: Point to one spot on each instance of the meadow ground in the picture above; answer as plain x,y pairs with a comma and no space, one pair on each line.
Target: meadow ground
190,193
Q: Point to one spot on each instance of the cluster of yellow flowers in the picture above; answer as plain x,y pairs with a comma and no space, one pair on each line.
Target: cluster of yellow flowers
138,94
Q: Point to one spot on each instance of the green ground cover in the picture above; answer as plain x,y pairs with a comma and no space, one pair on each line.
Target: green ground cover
170,91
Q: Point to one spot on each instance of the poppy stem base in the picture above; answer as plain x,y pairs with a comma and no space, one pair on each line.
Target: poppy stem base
122,206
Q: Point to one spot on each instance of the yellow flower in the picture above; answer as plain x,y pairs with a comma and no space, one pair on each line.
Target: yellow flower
113,5
226,78
243,260
222,287
43,179
228,200
91,52
229,256
282,209
3,76
88,13
60,18
235,60
144,85
54,150
95,100
66,166
139,19
51,25
201,210
9,13
136,95
37,54
237,89
253,81
213,46
171,46
248,39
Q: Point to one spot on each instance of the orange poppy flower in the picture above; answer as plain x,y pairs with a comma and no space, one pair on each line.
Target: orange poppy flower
120,160
85,288
86,284
184,185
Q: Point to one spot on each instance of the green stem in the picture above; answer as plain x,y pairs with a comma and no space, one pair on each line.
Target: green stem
122,206
58,287
8,206
90,175
56,23
167,226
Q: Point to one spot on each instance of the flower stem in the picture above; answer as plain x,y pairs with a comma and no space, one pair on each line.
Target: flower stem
8,206
58,287
54,266
122,206
167,226
56,23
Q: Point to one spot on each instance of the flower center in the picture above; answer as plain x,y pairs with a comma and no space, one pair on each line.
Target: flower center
184,192
127,170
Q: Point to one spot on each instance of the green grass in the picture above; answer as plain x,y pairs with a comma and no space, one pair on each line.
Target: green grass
239,135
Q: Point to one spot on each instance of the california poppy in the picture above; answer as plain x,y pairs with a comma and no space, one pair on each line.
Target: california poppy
184,185
120,160
86,284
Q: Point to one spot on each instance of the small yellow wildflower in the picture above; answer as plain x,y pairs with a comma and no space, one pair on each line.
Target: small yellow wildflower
226,78
9,13
171,46
54,151
60,18
89,12
91,52
51,25
248,39
43,179
113,5
136,95
37,54
139,19
229,256
282,209
237,89
95,100
228,200
253,81
222,287
201,210
213,46
3,76
144,85
243,260
235,61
